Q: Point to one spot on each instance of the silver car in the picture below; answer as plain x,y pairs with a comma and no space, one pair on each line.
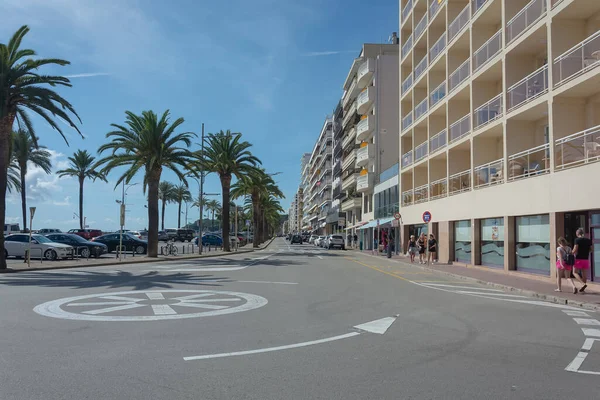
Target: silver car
18,245
336,241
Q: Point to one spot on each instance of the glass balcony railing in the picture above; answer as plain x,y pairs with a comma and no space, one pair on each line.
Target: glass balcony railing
437,141
460,128
421,194
488,112
420,28
387,211
477,4
460,182
489,174
577,60
408,198
529,15
578,148
407,120
434,7
437,48
407,46
389,173
421,151
438,94
487,51
528,88
407,83
460,75
407,159
438,189
530,162
406,10
421,109
459,23
421,67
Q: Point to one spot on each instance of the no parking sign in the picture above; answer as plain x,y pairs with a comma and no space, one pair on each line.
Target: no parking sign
426,217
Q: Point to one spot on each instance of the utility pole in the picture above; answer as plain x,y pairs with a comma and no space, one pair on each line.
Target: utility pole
201,197
236,227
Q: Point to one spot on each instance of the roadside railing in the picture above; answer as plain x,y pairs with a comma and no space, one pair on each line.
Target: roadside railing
578,148
529,15
488,112
490,173
459,182
460,128
437,141
459,23
487,51
530,162
421,151
421,194
577,60
528,88
460,74
438,189
438,94
437,48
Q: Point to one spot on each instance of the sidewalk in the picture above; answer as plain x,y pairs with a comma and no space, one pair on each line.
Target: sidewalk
527,284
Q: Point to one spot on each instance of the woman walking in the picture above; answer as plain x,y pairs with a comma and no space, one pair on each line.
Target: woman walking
432,245
563,267
412,248
422,242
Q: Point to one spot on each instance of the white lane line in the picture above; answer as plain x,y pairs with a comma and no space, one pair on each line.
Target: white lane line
100,303
490,294
576,363
212,300
163,309
269,349
217,269
589,342
122,298
155,296
111,309
278,283
587,321
193,296
205,306
576,313
591,332
319,257
463,287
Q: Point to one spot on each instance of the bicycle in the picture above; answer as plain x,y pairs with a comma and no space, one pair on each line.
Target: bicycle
170,249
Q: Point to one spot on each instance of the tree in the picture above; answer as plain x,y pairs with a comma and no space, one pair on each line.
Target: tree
227,156
271,214
166,194
82,167
181,193
148,143
14,182
213,206
24,88
25,151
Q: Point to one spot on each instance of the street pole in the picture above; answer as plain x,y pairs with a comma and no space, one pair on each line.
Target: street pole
31,213
201,199
236,228
122,221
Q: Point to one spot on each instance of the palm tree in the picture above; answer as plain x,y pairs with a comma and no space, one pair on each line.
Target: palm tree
271,214
181,193
22,88
14,182
149,143
26,151
166,194
82,167
227,156
213,206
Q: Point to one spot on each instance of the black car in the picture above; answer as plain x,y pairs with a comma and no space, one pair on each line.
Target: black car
129,242
85,248
185,234
296,239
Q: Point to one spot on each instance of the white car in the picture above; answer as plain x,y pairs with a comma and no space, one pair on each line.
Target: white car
325,242
318,240
336,241
312,239
137,234
17,246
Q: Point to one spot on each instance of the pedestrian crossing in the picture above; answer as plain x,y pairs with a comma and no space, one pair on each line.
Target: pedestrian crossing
589,327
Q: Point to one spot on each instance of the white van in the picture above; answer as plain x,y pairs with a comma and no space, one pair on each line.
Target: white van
11,228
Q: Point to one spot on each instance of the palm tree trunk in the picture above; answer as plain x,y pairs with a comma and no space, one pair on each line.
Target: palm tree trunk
179,216
162,217
255,212
225,186
6,124
212,222
153,214
81,203
23,198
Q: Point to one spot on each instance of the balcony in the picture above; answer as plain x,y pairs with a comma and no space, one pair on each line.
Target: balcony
420,68
488,112
365,99
528,16
460,128
438,94
577,60
437,48
438,189
407,46
364,154
420,28
407,120
406,10
460,74
349,182
421,151
486,52
437,141
350,115
489,174
578,148
364,182
530,162
477,4
387,211
528,88
434,7
421,109
351,204
408,198
459,23
350,138
407,159
365,73
350,93
421,194
364,127
349,160
407,83
459,183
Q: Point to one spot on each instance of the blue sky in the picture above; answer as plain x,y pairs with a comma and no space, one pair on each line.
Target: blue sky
271,69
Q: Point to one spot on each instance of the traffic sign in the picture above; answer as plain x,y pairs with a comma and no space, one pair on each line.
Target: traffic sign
247,222
397,215
426,217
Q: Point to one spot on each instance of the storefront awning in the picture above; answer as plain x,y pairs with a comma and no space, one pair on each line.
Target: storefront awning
383,222
355,226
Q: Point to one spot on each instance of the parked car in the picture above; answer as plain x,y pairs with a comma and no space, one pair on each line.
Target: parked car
144,235
129,242
325,242
18,244
336,241
312,239
46,231
210,239
137,234
318,240
86,233
11,228
84,248
296,239
185,234
162,236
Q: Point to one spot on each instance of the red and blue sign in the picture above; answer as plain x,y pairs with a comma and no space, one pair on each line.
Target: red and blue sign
426,217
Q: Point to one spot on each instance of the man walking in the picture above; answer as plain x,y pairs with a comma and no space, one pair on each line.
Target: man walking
581,250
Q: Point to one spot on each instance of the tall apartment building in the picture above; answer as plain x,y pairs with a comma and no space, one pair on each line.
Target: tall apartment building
336,220
293,217
370,137
500,128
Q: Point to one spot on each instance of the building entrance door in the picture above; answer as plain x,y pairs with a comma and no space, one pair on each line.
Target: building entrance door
595,236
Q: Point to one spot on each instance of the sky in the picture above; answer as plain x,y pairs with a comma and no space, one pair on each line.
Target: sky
270,69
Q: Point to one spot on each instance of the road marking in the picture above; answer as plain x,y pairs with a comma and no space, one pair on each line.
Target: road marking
213,269
587,321
379,326
591,332
155,296
113,309
101,303
589,342
278,283
464,287
163,309
576,313
319,257
576,363
489,294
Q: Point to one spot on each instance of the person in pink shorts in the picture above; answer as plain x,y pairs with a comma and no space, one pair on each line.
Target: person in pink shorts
563,270
583,247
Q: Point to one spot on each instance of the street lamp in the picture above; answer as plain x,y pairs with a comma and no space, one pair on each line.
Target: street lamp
122,215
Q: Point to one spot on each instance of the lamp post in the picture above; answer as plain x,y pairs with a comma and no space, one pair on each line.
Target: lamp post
31,214
122,215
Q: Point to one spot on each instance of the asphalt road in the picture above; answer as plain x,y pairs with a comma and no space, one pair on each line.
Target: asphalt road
281,324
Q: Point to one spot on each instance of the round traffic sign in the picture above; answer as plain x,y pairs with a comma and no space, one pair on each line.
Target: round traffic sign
397,215
426,216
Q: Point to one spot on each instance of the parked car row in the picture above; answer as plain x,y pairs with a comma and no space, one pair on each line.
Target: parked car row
329,241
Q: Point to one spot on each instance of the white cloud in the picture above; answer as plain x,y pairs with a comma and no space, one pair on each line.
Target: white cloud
66,202
326,53
12,220
87,75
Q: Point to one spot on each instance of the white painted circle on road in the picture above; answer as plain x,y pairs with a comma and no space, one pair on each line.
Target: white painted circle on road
150,305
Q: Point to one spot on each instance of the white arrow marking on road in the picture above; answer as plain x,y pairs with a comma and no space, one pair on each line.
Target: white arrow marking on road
379,326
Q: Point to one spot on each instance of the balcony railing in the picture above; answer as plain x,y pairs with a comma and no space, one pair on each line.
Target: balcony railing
421,194
556,2
488,112
421,151
489,174
421,109
438,94
459,23
420,28
578,148
434,7
460,74
437,141
389,173
460,182
528,88
460,128
407,46
486,52
407,83
437,48
421,67
578,59
407,159
350,115
406,10
477,4
350,138
407,120
438,189
387,211
408,197
349,93
529,15
349,160
530,162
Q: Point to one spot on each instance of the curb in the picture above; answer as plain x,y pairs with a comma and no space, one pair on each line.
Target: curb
506,288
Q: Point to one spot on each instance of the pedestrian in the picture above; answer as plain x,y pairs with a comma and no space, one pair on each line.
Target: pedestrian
412,248
432,245
564,258
421,243
349,239
355,240
581,250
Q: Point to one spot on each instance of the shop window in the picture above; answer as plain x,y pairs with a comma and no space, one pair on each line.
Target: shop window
533,244
492,242
462,241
